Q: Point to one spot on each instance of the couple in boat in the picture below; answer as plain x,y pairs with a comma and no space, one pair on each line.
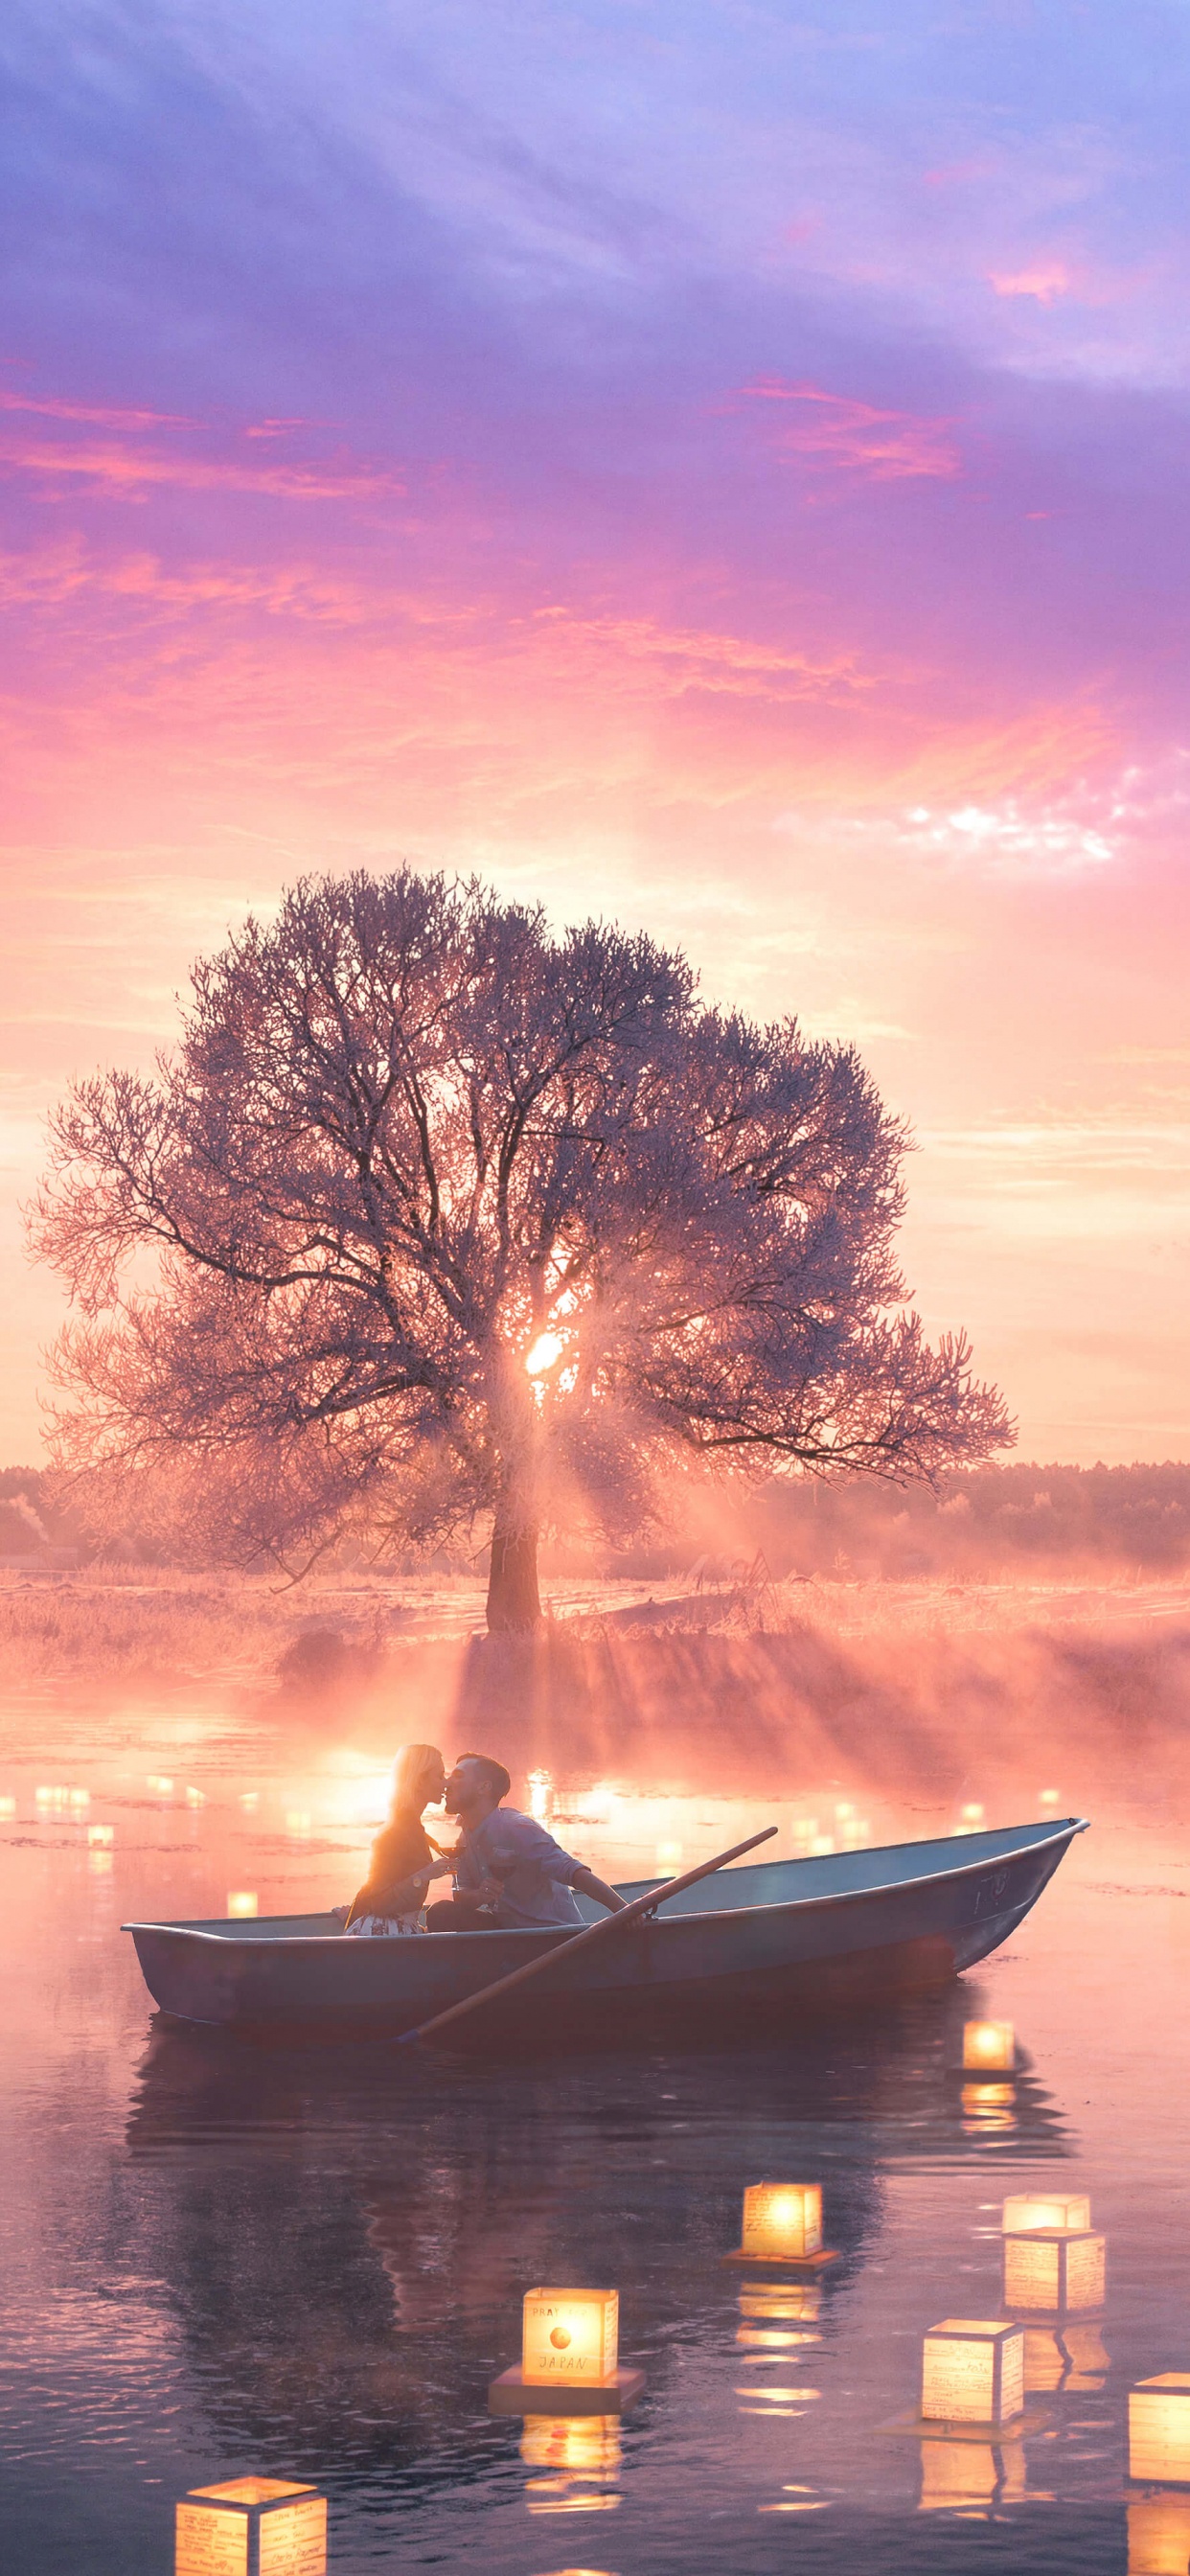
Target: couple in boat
509,1874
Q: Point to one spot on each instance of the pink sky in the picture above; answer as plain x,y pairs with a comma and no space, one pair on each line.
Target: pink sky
717,469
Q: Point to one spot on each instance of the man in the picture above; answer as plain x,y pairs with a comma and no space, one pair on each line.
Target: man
510,1874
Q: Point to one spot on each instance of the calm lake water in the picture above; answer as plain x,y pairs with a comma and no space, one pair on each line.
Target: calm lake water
308,2263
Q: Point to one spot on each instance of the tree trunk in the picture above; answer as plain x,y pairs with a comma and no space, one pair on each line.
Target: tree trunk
513,1597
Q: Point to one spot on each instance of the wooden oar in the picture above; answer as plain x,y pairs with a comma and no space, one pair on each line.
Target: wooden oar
578,1940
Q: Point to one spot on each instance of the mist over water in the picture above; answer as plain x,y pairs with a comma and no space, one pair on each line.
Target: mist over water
308,2261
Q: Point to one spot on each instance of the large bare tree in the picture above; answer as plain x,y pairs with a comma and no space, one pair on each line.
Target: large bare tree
436,1221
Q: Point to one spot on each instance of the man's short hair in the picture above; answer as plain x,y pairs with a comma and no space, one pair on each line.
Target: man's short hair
497,1778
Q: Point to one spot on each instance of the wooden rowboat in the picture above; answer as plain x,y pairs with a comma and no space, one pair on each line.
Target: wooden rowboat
775,1940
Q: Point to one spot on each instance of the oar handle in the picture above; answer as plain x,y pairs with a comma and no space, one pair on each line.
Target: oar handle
632,1913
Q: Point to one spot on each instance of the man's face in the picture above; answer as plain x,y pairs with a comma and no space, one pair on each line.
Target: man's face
464,1789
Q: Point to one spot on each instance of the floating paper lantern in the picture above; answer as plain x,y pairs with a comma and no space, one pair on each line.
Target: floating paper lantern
160,1786
241,1901
1159,2535
298,1821
570,2335
251,2527
99,1837
249,1801
1024,2210
8,1806
1054,2268
973,2371
196,1797
782,2224
989,2048
1159,2429
569,2358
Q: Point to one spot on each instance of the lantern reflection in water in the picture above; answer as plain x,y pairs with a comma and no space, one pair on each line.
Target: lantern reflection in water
989,2048
1046,2361
581,2456
970,2478
1088,2356
1058,2269
973,2371
251,2527
1159,2535
1159,2429
988,2106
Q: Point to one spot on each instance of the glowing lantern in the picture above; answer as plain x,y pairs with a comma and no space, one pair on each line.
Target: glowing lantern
160,1786
100,1837
241,1901
973,2371
196,1797
1048,1797
250,1801
571,2334
782,2224
298,1821
1159,2429
1057,2268
8,1806
569,2358
989,2048
1046,2210
1159,2536
78,1797
251,2527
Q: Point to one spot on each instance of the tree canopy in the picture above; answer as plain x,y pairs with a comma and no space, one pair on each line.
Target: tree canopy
435,1220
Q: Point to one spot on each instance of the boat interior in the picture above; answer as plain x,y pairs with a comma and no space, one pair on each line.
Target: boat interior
771,1882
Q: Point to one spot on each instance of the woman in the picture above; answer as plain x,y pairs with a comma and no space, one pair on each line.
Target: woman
404,1860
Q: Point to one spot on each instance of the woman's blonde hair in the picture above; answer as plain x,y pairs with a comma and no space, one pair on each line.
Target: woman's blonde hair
410,1774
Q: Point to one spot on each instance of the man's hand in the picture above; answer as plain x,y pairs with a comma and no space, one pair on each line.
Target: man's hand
588,1885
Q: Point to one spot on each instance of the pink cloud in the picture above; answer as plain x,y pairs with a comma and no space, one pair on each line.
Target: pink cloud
888,446
1045,282
52,407
127,470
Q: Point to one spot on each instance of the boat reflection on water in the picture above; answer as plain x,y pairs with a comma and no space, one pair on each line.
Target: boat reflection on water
343,2234
578,2458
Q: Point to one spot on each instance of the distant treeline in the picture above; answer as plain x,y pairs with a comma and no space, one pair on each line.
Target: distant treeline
982,1522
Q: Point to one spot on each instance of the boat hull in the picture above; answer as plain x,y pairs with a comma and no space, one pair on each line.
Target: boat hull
779,1942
